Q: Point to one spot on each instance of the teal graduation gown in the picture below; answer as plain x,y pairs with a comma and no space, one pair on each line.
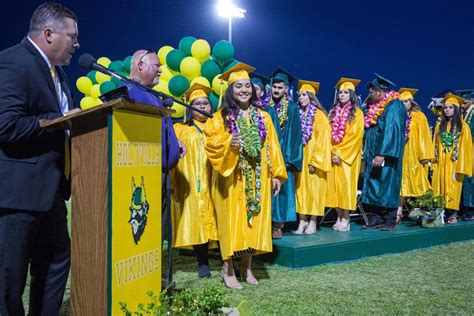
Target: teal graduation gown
291,143
387,138
468,182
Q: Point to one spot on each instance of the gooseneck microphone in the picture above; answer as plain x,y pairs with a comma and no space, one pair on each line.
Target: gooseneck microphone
89,62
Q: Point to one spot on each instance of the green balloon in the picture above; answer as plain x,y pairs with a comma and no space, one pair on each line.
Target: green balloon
174,58
91,76
116,66
214,99
117,82
106,86
185,44
178,85
223,51
230,64
210,69
127,63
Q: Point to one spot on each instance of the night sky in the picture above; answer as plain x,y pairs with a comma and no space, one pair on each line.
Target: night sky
421,44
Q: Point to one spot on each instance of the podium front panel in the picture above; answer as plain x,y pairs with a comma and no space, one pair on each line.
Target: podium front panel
134,209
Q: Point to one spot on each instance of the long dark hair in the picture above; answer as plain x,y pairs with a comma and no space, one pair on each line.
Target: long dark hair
352,99
455,121
415,107
230,102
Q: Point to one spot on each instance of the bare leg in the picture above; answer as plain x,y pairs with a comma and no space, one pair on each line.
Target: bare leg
302,225
246,270
228,275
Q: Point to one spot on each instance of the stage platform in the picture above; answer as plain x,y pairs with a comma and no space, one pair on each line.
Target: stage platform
329,246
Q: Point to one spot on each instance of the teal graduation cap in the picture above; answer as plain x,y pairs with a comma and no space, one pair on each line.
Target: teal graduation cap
381,83
259,80
466,93
281,74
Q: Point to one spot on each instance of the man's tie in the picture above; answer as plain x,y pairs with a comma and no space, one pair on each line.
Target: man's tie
67,153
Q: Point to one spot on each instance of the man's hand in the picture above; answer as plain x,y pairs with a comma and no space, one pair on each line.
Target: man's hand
236,140
276,186
378,161
312,169
182,150
336,160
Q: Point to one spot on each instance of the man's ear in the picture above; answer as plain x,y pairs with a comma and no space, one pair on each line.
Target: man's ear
48,34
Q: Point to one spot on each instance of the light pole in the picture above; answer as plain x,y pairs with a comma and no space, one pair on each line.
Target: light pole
226,8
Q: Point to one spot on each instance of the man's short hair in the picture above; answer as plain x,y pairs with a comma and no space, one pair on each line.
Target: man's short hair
49,14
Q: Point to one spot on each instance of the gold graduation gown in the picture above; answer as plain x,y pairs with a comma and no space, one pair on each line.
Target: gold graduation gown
448,175
419,147
228,189
193,216
342,179
311,188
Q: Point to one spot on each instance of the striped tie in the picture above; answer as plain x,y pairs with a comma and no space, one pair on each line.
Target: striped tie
67,149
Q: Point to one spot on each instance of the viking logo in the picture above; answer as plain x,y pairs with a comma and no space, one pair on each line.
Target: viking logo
138,210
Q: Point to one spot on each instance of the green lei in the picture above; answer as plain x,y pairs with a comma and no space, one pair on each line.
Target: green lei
468,118
449,140
251,159
281,109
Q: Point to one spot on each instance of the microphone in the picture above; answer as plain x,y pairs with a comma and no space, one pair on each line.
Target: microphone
89,62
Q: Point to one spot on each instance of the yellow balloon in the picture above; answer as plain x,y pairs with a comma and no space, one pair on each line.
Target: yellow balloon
98,102
84,84
95,91
166,73
87,103
180,110
201,50
190,67
217,83
201,80
162,86
162,52
104,61
100,77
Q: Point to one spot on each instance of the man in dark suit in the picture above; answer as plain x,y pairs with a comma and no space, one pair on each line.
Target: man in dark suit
34,163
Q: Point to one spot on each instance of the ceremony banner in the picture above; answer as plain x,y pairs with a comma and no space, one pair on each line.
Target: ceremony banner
134,236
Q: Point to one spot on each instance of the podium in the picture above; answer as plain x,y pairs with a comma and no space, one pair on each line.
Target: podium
116,205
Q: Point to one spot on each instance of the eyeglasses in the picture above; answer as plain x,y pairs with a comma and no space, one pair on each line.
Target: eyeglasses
72,37
204,103
148,51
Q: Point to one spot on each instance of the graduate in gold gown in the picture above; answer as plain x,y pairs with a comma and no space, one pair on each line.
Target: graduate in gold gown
347,132
243,148
193,216
418,150
311,182
453,155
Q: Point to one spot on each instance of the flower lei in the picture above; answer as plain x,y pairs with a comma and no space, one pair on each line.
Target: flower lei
468,118
377,109
307,118
253,134
449,140
407,126
281,108
339,122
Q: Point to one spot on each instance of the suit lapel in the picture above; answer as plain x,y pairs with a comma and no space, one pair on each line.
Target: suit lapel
43,66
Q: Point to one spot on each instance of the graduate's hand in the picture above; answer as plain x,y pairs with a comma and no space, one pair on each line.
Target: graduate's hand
236,140
312,169
182,150
378,161
336,160
424,161
276,186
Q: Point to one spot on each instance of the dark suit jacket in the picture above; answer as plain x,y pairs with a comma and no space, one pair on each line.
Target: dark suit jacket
31,158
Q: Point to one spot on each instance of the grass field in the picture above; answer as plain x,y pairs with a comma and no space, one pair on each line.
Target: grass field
438,280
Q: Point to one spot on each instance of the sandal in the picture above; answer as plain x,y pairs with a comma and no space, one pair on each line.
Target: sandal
452,219
277,233
399,218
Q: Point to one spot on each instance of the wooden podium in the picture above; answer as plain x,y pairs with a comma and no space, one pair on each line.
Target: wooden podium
116,205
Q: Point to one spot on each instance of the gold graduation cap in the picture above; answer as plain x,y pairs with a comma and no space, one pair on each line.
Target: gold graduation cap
347,83
407,93
197,91
309,86
237,72
453,99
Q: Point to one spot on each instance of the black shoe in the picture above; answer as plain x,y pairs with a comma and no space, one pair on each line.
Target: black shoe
204,271
372,225
388,227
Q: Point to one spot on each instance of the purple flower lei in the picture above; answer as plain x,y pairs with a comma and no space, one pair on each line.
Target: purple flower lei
407,126
255,117
307,119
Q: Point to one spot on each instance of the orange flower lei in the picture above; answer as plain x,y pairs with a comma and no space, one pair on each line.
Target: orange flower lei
377,109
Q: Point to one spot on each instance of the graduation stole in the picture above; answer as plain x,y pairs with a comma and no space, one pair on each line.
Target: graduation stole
449,139
281,109
307,118
407,126
377,109
468,117
339,119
